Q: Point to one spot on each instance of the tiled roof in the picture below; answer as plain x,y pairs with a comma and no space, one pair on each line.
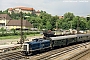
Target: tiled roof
5,16
38,11
22,8
10,9
61,17
31,9
18,23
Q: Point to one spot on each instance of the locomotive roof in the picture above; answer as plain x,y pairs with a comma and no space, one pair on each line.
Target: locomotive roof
38,42
63,37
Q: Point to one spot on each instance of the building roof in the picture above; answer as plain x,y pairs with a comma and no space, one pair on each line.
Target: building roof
61,17
38,11
5,16
10,9
18,23
22,8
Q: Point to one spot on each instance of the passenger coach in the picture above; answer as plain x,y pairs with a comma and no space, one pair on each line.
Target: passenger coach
63,40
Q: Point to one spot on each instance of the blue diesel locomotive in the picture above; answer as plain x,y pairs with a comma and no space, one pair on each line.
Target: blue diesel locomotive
41,44
35,45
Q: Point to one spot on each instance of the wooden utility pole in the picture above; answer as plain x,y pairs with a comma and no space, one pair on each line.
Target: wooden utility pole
56,27
21,40
78,28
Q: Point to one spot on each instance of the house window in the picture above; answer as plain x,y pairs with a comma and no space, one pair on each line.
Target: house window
3,24
0,18
4,18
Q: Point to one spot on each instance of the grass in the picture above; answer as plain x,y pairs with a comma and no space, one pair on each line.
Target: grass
9,37
17,37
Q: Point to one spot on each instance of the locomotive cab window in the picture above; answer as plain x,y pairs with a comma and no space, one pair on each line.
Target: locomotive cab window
25,47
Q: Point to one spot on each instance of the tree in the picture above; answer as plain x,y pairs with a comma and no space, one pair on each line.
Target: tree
88,25
59,23
44,18
1,12
75,22
82,23
68,16
65,25
2,30
53,21
5,11
14,31
48,25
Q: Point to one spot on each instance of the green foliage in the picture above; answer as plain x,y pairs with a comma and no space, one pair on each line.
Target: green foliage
15,16
68,16
48,25
47,21
14,31
1,12
18,33
5,12
88,25
2,31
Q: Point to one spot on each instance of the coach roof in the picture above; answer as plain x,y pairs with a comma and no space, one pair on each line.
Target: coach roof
79,35
63,37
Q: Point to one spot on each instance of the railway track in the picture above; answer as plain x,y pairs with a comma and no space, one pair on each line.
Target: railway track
80,55
14,55
51,55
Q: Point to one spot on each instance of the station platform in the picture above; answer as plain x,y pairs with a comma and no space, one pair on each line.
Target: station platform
9,47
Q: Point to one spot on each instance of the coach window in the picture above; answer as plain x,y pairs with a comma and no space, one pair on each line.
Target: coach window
73,39
76,38
79,37
62,40
54,42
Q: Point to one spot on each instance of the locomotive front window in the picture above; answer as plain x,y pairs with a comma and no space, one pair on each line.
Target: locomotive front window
25,47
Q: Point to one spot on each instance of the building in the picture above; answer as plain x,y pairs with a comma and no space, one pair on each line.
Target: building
7,23
88,17
38,13
21,9
16,24
61,17
4,19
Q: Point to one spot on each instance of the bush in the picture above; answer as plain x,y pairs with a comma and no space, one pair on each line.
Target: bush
18,33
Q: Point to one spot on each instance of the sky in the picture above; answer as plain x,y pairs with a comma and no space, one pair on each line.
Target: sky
53,7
